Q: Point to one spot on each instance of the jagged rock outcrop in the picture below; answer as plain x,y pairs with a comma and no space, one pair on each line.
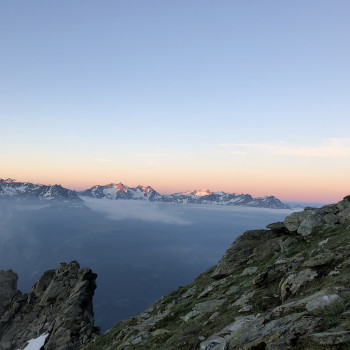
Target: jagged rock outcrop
287,287
58,311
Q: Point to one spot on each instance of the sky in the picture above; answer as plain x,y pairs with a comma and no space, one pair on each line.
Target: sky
241,96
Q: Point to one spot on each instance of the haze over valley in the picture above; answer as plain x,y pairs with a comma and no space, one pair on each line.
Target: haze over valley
139,250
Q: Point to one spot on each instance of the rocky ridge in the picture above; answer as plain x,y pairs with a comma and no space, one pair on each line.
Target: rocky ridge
57,312
284,287
10,188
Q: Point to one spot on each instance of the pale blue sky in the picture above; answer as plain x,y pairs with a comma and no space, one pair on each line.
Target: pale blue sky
114,82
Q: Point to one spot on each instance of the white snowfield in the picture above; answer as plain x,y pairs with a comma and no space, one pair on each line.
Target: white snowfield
37,343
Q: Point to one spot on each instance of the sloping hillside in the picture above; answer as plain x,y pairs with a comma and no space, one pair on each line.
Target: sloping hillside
287,287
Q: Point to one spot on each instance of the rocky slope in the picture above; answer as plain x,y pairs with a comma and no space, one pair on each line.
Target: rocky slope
286,287
120,191
57,314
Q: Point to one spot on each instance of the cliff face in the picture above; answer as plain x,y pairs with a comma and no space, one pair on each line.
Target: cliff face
287,287
57,313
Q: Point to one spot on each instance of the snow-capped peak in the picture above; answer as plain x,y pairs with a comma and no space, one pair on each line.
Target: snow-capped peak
203,192
146,189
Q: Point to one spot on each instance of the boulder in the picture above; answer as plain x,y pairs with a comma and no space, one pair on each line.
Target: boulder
331,338
309,223
320,260
322,301
293,221
291,284
211,343
344,216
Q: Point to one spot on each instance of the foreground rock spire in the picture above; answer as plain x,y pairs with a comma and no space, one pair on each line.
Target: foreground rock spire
57,314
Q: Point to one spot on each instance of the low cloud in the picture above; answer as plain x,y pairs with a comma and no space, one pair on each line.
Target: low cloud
328,148
137,210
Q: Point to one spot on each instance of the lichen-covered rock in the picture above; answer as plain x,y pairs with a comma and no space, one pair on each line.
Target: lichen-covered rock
320,259
294,220
59,306
311,221
293,282
331,338
322,301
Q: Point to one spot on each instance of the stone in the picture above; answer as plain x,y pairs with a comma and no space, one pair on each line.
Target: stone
276,226
319,260
331,338
279,269
139,338
160,331
287,243
309,223
344,216
252,332
189,293
211,343
330,219
206,291
245,308
325,241
190,315
232,290
240,322
208,306
244,299
293,221
293,282
249,271
322,301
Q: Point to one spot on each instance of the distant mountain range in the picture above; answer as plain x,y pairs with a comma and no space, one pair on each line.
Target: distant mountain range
10,188
120,191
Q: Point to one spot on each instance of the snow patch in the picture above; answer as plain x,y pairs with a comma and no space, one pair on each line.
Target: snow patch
36,343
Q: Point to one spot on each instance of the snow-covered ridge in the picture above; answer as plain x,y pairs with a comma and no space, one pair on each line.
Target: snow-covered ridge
10,188
204,196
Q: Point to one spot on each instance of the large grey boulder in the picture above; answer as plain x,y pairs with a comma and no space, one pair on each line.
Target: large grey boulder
294,220
292,283
331,338
311,221
58,309
252,332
